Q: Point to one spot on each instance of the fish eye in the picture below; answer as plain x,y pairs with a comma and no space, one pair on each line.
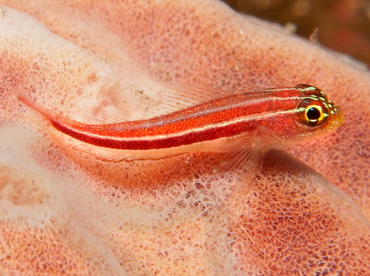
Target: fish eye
313,114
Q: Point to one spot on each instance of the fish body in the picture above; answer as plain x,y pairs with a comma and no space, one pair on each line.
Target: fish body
271,118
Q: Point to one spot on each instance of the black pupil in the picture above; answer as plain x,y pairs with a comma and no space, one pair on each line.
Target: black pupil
313,113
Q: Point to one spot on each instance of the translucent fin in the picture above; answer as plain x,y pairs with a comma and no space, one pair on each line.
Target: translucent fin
106,116
247,163
236,160
44,111
243,163
119,156
176,97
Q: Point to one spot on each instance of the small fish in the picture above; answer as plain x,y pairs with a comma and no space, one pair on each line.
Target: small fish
206,120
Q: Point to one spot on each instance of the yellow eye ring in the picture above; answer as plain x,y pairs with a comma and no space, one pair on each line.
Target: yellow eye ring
313,114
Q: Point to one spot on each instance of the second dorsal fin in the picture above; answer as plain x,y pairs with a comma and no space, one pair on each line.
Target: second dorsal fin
176,97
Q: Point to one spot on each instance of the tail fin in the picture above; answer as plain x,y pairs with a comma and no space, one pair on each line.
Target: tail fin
44,111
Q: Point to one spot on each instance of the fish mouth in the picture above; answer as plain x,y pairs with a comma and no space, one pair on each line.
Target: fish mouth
338,116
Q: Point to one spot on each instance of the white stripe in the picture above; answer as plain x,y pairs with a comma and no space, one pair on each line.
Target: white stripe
226,107
194,130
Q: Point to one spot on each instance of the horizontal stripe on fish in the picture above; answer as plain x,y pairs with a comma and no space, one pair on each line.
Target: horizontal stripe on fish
273,112
202,134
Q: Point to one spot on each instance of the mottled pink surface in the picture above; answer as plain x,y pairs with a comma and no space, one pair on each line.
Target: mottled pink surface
64,211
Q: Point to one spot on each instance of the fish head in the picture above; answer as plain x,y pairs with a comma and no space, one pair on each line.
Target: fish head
316,113
309,115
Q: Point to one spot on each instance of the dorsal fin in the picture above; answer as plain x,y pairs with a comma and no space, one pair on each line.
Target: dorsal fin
106,116
176,97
